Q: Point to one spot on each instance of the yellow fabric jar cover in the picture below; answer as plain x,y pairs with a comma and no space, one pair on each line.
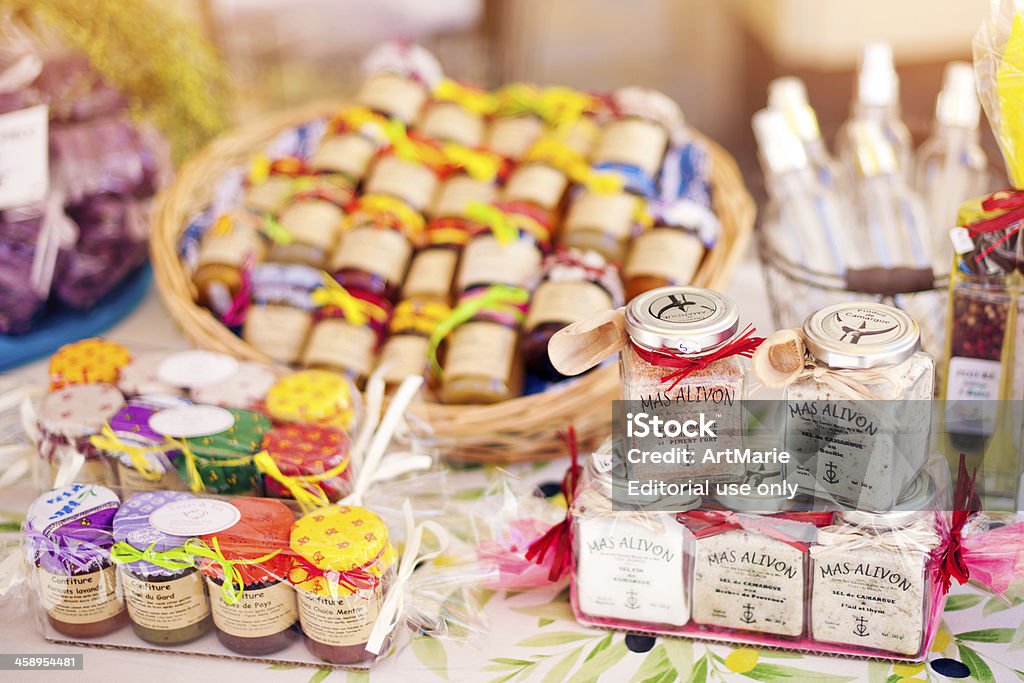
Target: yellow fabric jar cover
319,396
89,361
340,549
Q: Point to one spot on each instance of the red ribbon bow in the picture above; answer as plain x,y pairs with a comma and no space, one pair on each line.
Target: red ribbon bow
354,579
559,536
1009,201
743,345
707,522
965,503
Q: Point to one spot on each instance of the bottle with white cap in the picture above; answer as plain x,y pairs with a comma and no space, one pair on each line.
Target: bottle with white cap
810,220
951,165
878,99
789,96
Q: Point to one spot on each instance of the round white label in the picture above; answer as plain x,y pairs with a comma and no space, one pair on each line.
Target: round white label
197,368
191,421
194,517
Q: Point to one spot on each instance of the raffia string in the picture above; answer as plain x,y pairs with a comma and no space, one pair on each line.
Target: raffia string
682,366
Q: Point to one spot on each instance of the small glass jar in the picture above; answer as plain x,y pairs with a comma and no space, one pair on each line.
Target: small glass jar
514,259
979,337
662,257
338,614
407,351
346,346
232,244
303,453
314,217
629,567
512,136
261,618
319,396
410,181
244,390
602,222
574,285
482,363
67,420
167,606
152,466
281,314
271,182
872,588
88,361
450,121
351,142
663,370
140,377
394,95
634,148
223,460
68,537
538,184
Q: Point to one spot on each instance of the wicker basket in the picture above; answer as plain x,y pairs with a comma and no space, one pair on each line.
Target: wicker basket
524,428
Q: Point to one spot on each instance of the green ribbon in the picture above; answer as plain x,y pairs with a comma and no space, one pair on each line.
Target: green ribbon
501,224
493,297
174,559
232,586
273,229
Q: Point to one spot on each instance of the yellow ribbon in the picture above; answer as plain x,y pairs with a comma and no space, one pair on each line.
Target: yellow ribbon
479,164
356,311
503,226
192,475
174,559
107,440
303,488
381,203
553,151
360,117
409,149
222,226
564,106
418,316
494,297
259,169
477,101
233,585
519,99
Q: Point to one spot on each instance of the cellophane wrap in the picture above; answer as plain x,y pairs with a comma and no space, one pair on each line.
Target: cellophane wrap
999,71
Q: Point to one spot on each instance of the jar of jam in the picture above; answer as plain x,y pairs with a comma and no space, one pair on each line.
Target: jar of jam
281,315
517,123
163,590
68,534
483,364
348,330
395,95
67,420
87,362
246,568
456,114
271,182
140,377
539,184
410,176
375,249
232,245
319,396
507,250
343,563
661,257
407,351
142,459
244,389
574,285
604,222
308,457
313,217
351,142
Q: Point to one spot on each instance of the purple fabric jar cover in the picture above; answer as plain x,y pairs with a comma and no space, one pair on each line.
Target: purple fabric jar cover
69,530
131,525
131,425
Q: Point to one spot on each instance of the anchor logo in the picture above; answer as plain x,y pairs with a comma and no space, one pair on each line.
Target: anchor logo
853,334
632,600
861,629
831,476
748,614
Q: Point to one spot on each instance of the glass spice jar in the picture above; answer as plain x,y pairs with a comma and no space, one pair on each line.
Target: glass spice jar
313,217
482,363
279,319
629,567
67,420
407,351
978,337
872,587
231,245
683,359
246,568
603,222
574,285
319,396
68,534
342,566
351,142
218,458
309,456
163,590
347,333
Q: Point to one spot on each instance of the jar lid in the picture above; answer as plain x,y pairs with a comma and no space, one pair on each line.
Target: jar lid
313,396
87,361
687,319
305,449
133,418
79,409
244,436
340,537
244,389
859,335
80,511
132,526
916,500
264,526
140,376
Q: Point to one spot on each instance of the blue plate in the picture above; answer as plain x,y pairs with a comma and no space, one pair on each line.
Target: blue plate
60,325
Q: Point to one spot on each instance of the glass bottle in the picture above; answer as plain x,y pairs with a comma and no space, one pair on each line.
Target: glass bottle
574,284
878,99
337,618
281,314
261,617
629,568
602,222
68,538
872,587
227,248
167,604
952,167
313,218
858,353
788,95
407,350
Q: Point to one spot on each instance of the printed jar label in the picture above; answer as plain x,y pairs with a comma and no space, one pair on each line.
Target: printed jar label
973,379
342,621
481,349
191,421
337,344
611,214
625,570
538,184
259,612
458,192
314,223
166,605
270,194
452,122
348,153
81,599
194,517
566,302
278,331
392,94
511,137
666,253
749,582
382,252
412,182
487,261
431,273
634,142
403,356
230,249
869,599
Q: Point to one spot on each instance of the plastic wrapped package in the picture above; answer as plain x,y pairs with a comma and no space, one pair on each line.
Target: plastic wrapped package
318,396
306,462
87,361
66,421
219,457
